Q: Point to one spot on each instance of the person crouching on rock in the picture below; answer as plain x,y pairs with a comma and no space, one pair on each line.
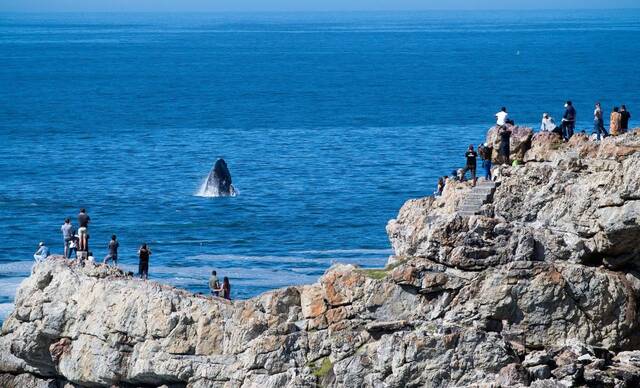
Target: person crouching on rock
143,267
42,252
471,156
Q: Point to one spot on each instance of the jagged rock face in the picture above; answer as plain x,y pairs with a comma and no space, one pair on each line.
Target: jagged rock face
579,202
541,290
519,142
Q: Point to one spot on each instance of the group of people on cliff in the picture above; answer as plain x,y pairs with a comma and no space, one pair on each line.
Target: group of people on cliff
618,124
76,242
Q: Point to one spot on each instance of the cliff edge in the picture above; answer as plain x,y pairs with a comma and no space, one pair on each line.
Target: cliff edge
540,288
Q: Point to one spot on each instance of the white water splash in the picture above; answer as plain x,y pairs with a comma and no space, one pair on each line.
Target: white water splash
212,191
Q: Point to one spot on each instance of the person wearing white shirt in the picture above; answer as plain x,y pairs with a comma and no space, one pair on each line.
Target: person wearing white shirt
501,117
547,124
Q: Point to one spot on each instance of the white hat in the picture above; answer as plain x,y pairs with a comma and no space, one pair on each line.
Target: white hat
41,243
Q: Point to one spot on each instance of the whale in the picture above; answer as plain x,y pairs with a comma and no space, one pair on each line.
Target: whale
219,183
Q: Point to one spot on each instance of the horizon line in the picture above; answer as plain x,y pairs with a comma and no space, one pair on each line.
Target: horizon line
293,11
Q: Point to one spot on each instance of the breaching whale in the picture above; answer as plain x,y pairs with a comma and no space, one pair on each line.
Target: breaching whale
218,183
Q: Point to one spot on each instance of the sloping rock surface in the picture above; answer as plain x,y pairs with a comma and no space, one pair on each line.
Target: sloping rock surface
540,289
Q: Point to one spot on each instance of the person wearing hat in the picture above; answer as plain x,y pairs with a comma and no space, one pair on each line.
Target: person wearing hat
42,252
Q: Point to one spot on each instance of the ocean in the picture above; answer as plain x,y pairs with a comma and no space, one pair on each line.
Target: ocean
328,123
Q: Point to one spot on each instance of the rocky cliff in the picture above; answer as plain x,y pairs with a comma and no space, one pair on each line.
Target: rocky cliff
540,289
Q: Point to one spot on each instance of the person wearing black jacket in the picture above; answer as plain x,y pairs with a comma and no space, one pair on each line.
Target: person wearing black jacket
143,268
624,118
471,156
568,120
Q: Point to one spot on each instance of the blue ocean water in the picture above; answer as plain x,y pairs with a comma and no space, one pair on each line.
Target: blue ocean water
328,122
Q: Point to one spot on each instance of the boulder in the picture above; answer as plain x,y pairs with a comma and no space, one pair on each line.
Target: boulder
519,143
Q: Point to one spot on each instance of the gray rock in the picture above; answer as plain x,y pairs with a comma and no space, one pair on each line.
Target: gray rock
546,278
540,372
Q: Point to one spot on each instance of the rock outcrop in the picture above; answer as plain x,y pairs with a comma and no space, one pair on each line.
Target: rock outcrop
540,289
519,142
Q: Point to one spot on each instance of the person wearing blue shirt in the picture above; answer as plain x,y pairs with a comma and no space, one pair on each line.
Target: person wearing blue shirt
42,252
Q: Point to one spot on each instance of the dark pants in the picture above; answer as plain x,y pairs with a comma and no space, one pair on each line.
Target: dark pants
598,127
473,172
504,153
567,129
143,269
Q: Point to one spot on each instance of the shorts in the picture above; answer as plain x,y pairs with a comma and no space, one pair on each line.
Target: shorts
83,231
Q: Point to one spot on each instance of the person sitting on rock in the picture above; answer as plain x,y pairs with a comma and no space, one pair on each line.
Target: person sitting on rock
471,156
214,284
143,267
547,124
42,252
505,139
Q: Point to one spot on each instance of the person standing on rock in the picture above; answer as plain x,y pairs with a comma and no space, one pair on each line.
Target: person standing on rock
625,115
614,125
568,120
73,247
485,155
505,138
67,235
113,251
83,230
214,284
225,289
471,165
598,122
143,267
42,252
